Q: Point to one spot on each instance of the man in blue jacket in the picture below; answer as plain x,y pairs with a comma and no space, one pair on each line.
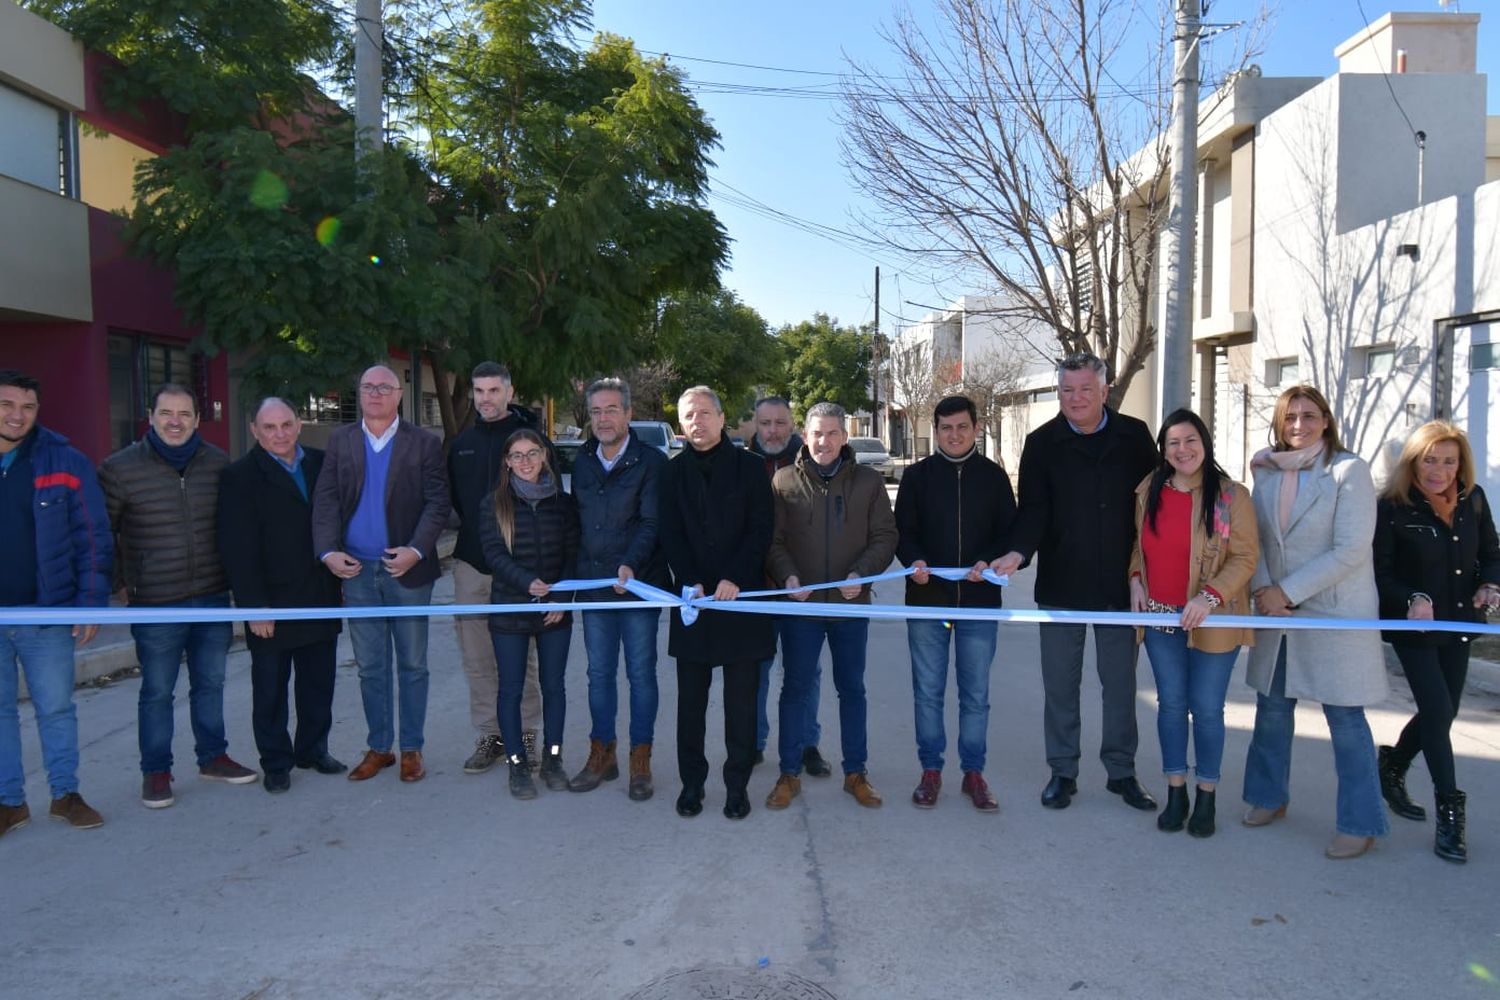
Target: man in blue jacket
56,538
616,482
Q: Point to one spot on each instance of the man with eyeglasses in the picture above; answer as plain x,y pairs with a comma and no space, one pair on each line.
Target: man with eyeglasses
616,483
378,507
474,463
1079,472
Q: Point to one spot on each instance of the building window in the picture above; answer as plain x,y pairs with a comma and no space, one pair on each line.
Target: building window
332,408
137,366
1483,357
1375,361
40,146
1282,371
1044,396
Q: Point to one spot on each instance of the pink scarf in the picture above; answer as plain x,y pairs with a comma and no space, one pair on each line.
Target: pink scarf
1289,463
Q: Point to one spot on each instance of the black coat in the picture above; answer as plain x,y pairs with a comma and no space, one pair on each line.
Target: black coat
712,529
954,514
265,541
1415,552
544,547
474,462
619,516
1077,509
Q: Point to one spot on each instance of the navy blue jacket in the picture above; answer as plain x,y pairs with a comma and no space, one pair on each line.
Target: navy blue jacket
74,548
618,514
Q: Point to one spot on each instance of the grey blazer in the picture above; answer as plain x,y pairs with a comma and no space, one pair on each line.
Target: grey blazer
1325,564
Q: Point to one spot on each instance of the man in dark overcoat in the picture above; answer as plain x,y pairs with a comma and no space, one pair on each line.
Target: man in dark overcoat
716,521
265,543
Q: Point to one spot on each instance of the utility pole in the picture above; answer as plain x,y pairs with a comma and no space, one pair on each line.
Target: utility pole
875,362
369,35
1175,382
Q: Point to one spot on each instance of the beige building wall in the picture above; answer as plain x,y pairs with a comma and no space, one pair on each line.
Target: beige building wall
44,258
40,58
106,170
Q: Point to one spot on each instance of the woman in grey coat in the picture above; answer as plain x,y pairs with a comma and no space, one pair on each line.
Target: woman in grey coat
1315,505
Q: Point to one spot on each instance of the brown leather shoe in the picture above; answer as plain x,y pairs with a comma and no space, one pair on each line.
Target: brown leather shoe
925,795
858,785
375,761
75,812
979,793
411,766
788,787
640,773
13,818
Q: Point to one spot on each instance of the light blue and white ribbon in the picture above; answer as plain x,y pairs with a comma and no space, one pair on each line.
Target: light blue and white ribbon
689,603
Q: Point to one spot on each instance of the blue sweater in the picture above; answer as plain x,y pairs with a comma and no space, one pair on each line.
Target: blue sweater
367,539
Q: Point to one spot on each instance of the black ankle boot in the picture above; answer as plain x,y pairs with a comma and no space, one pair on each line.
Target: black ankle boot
1449,844
1393,785
1201,823
521,785
1170,819
552,772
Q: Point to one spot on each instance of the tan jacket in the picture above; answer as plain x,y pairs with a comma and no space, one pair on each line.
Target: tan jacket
1225,561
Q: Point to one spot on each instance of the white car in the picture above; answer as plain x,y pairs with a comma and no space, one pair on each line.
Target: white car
658,434
871,451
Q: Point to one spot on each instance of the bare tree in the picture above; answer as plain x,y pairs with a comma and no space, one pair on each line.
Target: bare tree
919,377
1009,148
992,381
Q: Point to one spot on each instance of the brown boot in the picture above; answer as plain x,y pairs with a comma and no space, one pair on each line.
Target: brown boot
640,773
788,786
602,765
858,785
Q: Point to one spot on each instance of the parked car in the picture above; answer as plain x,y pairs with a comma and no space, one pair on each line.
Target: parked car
658,434
871,451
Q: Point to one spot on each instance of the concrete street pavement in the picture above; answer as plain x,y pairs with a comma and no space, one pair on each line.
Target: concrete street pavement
449,888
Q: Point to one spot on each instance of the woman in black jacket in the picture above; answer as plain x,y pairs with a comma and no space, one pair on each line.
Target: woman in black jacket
529,530
1436,558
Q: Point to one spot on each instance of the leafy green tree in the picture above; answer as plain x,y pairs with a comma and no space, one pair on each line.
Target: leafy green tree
825,361
542,200
714,339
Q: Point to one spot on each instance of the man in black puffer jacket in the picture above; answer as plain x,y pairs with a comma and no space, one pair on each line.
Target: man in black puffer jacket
162,496
474,462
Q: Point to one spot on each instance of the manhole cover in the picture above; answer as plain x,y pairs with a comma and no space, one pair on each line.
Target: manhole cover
731,984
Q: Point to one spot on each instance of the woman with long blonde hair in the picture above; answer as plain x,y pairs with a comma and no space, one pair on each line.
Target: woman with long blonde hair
1436,558
529,530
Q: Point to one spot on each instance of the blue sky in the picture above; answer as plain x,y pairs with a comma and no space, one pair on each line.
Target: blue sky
783,152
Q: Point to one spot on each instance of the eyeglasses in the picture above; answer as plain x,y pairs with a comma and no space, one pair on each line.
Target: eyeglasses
378,389
605,411
518,457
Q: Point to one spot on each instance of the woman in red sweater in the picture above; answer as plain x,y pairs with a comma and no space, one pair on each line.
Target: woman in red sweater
1196,549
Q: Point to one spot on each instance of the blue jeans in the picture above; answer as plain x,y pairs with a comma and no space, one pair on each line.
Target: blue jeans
801,645
1268,766
1189,682
551,667
45,652
604,633
763,694
973,652
160,648
373,640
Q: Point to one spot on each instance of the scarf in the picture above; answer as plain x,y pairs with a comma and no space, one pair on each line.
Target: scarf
1444,503
1289,463
831,469
177,456
534,493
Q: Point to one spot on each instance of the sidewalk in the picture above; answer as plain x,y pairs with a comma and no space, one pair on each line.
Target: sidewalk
450,888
